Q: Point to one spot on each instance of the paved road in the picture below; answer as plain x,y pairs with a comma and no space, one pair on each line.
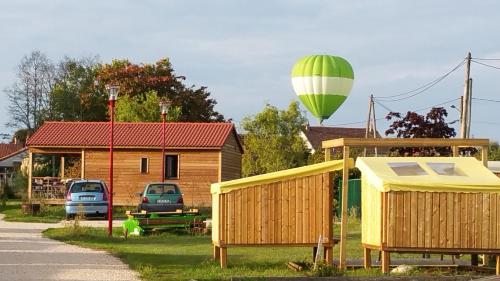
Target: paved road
26,255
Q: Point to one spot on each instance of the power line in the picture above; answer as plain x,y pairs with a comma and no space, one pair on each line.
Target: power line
490,100
385,107
443,103
485,64
485,59
422,88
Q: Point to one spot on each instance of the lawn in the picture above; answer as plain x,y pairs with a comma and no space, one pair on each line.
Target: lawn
48,214
171,256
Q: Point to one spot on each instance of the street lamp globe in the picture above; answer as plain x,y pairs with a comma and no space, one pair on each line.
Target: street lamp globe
164,106
113,92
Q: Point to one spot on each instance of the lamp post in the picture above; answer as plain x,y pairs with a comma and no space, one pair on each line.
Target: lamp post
113,93
164,105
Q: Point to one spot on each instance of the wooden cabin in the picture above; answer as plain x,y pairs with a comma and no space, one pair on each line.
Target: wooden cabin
446,205
288,208
196,155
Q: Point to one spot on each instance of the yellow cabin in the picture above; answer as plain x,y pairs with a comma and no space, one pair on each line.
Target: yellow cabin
429,205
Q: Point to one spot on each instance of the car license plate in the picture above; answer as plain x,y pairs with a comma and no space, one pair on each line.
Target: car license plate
161,201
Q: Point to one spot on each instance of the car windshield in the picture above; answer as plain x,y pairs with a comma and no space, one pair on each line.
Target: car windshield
162,188
87,187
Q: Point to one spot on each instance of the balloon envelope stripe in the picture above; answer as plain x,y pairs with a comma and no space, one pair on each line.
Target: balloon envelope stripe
322,85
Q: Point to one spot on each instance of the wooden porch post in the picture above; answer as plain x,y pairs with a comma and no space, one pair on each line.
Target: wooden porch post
367,260
82,161
328,154
223,257
216,253
454,149
30,174
343,223
62,167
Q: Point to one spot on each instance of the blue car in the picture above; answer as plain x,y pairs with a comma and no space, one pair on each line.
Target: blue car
87,197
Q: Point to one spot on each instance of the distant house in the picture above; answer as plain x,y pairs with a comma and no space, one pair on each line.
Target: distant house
11,157
494,166
197,155
315,135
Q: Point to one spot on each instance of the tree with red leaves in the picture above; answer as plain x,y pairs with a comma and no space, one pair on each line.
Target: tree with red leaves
135,80
414,125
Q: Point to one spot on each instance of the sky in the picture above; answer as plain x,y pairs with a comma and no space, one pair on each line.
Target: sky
243,51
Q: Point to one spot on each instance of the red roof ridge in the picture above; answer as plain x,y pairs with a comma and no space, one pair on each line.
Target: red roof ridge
142,123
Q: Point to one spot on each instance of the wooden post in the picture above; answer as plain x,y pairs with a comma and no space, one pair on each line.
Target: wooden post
329,255
484,155
53,162
386,261
82,161
216,253
62,167
328,154
223,257
498,265
343,222
454,149
30,174
367,259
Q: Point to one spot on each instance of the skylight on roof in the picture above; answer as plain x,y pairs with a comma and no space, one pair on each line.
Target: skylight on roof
407,169
446,169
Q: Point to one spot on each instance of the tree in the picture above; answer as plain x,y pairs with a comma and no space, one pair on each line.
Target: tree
494,151
414,125
29,95
143,109
272,141
137,80
74,96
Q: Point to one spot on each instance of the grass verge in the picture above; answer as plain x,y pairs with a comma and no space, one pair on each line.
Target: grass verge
171,256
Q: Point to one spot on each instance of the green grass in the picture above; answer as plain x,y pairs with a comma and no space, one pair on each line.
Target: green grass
48,214
170,256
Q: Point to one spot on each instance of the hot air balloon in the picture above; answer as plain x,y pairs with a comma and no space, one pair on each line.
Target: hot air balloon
322,83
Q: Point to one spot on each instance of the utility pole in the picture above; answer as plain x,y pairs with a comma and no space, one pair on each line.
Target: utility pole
466,100
371,123
469,111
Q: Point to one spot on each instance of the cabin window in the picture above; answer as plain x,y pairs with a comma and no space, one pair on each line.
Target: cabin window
171,166
407,169
144,165
446,169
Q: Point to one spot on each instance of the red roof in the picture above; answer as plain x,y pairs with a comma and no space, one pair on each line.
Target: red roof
7,149
317,134
85,134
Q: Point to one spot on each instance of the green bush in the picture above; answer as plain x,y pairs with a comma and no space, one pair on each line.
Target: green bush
18,189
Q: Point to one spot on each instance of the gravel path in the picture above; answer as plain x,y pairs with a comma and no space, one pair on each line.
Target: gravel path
26,255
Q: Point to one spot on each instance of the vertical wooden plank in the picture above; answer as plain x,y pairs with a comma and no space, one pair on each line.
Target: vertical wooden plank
399,217
479,220
299,199
343,225
484,155
472,220
265,213
319,204
222,219
277,212
429,212
464,210
258,215
285,215
498,265
216,252
485,231
238,217
223,257
493,219
383,217
435,220
367,258
328,209
421,219
272,214
391,229
292,211
414,214
312,208
407,219
305,214
442,219
244,216
457,220
386,261
251,205
449,219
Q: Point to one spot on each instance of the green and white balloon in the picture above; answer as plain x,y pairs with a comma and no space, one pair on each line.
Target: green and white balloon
322,83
